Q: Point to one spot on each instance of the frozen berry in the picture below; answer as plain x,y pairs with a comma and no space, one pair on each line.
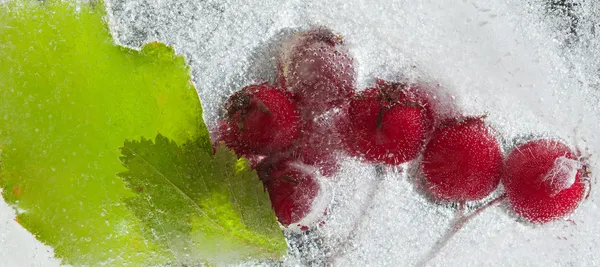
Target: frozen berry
543,180
462,161
382,131
405,92
260,119
317,67
291,188
318,146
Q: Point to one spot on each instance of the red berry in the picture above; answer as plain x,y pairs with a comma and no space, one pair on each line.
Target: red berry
542,180
382,131
317,67
260,119
395,92
436,103
292,190
462,161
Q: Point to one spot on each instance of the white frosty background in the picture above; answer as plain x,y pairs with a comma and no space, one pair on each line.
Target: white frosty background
533,70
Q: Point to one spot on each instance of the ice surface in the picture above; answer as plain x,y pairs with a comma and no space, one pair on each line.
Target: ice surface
535,71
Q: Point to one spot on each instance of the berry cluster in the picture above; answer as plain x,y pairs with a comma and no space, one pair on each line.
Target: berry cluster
292,129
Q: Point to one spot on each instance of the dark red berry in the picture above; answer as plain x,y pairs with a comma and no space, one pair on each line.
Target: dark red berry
382,131
319,70
260,119
318,146
462,161
291,188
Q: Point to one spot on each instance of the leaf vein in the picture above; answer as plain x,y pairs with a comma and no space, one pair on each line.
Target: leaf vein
194,204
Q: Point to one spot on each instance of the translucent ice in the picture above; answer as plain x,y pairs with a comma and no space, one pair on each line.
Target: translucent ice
530,65
563,174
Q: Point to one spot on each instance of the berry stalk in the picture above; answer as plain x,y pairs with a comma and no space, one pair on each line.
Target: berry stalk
342,248
459,222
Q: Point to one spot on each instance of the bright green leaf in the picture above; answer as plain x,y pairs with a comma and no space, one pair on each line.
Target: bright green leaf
199,207
69,98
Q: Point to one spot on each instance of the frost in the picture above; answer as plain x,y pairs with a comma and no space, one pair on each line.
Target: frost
563,174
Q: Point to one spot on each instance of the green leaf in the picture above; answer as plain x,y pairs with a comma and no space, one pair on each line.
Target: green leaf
199,207
69,98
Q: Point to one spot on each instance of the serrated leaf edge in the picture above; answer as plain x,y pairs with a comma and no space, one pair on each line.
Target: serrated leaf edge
195,205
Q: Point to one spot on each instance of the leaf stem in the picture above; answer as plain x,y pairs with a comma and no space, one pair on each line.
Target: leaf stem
458,223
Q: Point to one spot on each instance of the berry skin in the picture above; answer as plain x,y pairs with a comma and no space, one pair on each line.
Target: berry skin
317,67
462,161
292,189
543,180
260,119
382,131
